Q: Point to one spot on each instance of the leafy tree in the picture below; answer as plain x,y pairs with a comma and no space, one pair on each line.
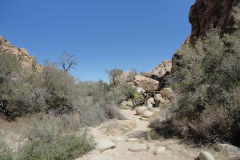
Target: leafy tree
113,75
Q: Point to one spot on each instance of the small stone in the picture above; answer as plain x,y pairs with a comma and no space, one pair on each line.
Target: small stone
140,110
149,105
147,114
159,150
140,90
138,148
124,103
205,156
116,139
104,144
151,100
132,140
129,103
165,101
158,98
155,110
143,119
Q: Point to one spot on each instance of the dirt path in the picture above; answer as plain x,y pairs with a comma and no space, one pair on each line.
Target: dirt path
120,133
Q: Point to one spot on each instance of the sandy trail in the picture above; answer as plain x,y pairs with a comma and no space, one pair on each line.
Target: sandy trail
175,150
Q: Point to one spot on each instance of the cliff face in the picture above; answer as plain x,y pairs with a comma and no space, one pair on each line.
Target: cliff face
21,53
206,13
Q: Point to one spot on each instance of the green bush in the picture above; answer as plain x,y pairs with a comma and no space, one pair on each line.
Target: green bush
47,142
135,95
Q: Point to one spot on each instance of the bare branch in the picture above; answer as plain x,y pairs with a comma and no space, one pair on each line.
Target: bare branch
67,61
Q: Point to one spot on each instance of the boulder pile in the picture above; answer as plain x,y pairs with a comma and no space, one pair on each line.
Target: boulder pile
149,86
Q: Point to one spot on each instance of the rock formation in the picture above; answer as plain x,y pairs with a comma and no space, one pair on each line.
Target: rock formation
153,93
21,53
146,83
206,13
161,70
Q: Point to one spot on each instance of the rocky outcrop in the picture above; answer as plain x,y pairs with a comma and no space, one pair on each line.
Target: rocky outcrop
155,79
146,83
161,70
203,15
21,53
206,13
151,90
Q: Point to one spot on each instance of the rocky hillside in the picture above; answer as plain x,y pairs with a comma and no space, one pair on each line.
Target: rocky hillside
206,13
22,54
206,75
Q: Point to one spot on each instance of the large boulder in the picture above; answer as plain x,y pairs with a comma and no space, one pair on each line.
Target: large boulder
146,83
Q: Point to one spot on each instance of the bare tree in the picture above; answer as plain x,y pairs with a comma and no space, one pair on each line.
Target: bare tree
67,61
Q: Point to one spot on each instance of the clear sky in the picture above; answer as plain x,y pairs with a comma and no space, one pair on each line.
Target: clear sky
103,34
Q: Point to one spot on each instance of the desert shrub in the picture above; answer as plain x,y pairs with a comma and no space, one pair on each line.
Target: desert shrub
9,66
24,91
208,74
135,95
5,152
19,89
60,90
113,75
51,90
96,102
48,142
119,84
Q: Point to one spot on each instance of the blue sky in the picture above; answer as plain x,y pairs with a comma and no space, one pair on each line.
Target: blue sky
103,34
